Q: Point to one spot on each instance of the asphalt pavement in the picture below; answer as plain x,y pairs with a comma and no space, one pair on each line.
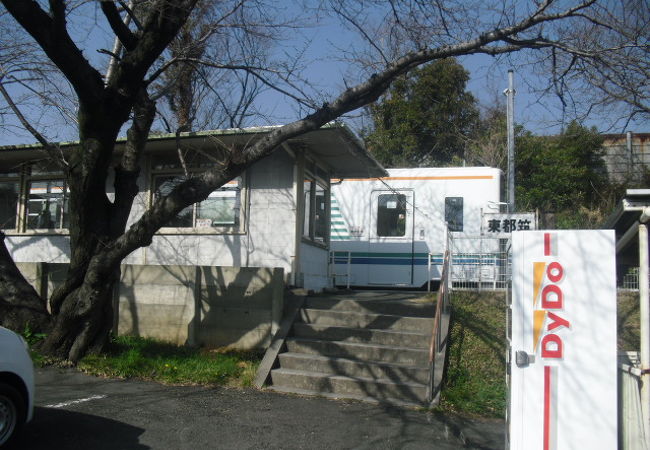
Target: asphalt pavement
77,411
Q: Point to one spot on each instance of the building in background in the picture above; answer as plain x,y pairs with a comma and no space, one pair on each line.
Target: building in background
627,157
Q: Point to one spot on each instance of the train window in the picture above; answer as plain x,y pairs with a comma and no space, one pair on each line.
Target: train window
391,215
454,213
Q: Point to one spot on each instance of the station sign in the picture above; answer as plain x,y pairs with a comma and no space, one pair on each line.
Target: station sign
503,225
563,386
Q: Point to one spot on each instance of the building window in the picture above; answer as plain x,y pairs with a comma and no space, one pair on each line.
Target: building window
454,213
316,219
222,208
321,222
307,222
391,215
9,195
47,205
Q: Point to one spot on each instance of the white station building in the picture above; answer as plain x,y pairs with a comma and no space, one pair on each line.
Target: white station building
276,214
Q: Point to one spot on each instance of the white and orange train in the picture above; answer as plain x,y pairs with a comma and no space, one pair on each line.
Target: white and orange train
385,230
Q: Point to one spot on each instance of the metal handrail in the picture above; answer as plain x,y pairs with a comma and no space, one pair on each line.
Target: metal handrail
436,338
348,266
441,307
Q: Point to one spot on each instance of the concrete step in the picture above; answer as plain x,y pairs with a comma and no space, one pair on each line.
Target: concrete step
364,335
333,395
365,352
410,307
353,368
379,389
362,320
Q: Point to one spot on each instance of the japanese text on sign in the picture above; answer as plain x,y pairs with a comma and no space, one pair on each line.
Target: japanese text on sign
502,225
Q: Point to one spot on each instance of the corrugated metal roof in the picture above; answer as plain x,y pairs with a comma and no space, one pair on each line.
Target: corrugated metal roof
334,144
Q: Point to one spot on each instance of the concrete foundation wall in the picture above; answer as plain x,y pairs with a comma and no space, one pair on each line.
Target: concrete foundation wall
208,306
157,302
239,308
195,305
45,277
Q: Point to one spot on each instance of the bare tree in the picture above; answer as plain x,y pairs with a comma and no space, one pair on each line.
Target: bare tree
399,36
488,145
601,66
207,96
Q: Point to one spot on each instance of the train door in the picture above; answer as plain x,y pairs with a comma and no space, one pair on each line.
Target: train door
390,249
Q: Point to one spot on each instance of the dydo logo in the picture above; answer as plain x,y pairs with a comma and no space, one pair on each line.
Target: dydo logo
549,325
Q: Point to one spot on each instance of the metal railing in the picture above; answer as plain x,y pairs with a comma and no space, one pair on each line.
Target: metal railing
432,260
339,257
475,263
630,281
479,263
442,308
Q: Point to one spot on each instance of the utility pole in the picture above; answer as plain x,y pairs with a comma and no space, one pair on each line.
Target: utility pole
510,93
644,310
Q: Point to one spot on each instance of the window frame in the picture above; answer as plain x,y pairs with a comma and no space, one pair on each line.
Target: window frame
403,201
17,178
239,228
60,228
455,228
25,176
309,219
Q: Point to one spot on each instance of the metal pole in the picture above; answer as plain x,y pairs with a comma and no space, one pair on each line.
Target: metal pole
510,92
644,299
349,269
428,272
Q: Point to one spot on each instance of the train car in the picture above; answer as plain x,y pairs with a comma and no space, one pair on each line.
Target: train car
391,231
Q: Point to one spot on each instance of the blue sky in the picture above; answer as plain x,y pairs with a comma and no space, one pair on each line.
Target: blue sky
325,71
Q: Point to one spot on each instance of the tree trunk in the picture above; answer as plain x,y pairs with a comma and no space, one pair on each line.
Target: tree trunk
82,305
21,307
84,321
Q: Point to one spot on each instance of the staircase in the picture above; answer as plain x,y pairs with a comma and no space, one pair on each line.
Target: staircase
369,345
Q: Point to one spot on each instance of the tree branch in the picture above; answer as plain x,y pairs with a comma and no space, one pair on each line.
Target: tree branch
159,28
51,34
53,151
121,30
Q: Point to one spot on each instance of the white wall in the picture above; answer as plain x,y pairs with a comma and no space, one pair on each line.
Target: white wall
313,265
266,240
266,237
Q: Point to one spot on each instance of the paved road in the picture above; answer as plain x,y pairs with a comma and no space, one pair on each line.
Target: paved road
76,411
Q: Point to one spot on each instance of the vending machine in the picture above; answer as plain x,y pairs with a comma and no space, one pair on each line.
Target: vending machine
563,388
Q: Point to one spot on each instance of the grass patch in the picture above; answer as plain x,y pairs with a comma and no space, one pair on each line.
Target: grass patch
476,366
147,359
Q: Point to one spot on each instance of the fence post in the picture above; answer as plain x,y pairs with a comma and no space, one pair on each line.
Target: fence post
644,313
480,263
349,268
428,272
